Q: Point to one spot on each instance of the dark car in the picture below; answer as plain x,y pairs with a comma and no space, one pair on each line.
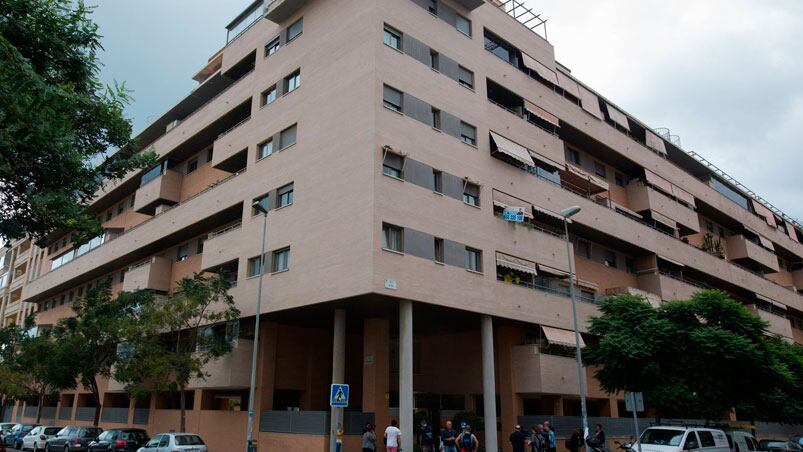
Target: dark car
779,445
73,439
119,440
14,437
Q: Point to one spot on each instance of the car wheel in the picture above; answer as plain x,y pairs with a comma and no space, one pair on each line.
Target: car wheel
47,447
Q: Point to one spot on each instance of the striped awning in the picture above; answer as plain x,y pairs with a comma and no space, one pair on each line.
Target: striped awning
617,116
552,270
558,336
540,68
515,263
655,142
512,149
541,113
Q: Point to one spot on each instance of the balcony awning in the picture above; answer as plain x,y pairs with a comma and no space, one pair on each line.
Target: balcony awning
545,160
590,102
549,213
503,200
663,219
568,84
586,284
512,149
655,142
671,261
762,211
658,181
515,263
617,116
771,301
557,336
541,69
553,271
541,113
580,178
790,231
626,210
765,242
683,195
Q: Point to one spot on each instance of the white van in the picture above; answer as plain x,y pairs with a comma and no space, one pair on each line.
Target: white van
682,439
741,441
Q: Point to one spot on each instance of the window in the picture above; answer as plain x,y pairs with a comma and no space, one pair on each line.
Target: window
438,250
120,208
436,118
392,237
281,260
285,195
182,253
392,165
437,181
254,266
471,194
131,202
264,201
272,46
599,170
706,438
392,98
468,133
573,156
265,149
709,226
209,155
584,249
192,165
287,137
691,442
292,81
433,7
499,48
199,249
610,258
392,38
465,77
293,31
269,95
721,231
630,265
473,259
620,179
433,59
109,215
463,25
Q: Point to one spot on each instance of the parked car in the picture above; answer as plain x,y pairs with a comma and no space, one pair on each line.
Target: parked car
680,439
741,441
798,439
35,439
119,440
169,442
779,445
6,427
14,437
72,439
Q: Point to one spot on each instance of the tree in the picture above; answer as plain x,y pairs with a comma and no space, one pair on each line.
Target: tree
184,334
696,358
56,120
91,337
11,379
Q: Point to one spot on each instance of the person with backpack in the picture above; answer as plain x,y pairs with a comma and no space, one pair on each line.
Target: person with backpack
551,440
467,441
426,439
536,439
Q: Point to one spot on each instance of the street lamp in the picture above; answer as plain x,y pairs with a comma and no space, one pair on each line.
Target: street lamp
566,214
257,205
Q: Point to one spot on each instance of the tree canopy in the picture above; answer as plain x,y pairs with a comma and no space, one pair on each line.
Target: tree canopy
57,121
697,358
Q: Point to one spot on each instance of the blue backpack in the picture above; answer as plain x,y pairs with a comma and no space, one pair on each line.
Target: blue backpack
467,441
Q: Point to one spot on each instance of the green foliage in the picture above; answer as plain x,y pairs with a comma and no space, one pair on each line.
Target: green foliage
696,358
56,120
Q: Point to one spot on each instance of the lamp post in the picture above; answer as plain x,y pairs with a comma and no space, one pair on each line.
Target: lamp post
566,214
250,433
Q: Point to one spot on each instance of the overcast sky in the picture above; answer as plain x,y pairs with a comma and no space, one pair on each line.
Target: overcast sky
725,75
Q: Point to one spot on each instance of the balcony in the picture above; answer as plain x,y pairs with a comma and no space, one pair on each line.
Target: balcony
537,372
231,371
642,198
653,299
778,324
280,10
470,4
797,279
222,246
751,254
668,287
164,189
154,274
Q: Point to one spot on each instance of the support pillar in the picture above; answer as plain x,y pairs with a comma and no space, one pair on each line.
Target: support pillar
406,373
266,372
489,384
376,370
338,372
614,406
510,403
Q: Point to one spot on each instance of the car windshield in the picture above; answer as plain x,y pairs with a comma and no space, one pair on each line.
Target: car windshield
135,435
662,437
16,428
28,428
189,440
52,430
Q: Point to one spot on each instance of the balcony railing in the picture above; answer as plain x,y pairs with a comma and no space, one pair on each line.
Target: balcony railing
225,230
560,291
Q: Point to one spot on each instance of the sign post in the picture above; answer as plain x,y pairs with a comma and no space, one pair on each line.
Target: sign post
339,399
634,401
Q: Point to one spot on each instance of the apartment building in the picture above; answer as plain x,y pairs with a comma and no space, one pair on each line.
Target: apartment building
13,274
387,138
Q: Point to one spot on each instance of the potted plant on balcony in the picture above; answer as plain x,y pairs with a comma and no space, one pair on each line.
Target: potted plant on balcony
713,246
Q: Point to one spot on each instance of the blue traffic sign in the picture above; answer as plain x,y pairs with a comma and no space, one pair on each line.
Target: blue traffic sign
339,396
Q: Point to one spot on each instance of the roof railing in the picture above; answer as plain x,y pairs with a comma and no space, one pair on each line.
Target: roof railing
524,15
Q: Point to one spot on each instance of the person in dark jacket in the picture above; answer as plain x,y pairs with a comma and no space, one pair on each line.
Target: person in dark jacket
517,439
575,441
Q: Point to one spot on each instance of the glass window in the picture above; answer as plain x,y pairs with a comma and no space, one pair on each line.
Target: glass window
393,165
287,137
471,194
165,441
706,438
630,265
433,59
463,25
691,442
498,47
192,165
188,440
392,98
285,195
573,156
433,7
182,253
264,201
584,249
269,95
392,237
436,118
599,170
438,250
265,149
662,437
296,29
281,260
610,258
473,259
620,179
468,133
437,181
199,248
292,81
272,46
392,38
465,77
709,226
254,266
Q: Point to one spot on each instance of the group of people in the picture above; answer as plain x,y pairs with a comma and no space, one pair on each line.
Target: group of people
542,438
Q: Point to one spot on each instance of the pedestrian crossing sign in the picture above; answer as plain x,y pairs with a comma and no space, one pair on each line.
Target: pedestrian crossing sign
339,396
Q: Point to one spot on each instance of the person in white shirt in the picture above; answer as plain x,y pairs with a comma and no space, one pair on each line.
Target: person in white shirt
393,437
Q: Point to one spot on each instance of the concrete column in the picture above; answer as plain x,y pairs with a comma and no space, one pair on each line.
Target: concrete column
489,383
511,403
406,373
338,370
266,372
614,406
376,370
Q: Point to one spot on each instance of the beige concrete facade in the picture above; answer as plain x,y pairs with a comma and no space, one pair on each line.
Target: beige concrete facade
330,137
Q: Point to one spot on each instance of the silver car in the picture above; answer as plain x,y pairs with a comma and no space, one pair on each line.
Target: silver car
36,439
169,442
